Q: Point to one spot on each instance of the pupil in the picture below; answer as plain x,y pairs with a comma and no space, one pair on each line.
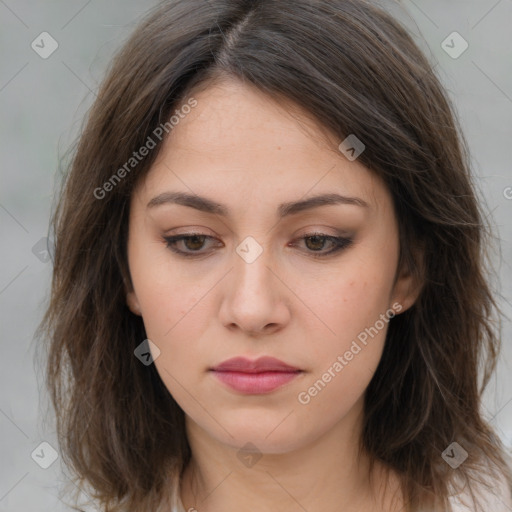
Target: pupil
317,242
196,242
199,239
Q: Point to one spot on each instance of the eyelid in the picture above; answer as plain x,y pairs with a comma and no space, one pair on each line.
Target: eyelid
339,242
170,239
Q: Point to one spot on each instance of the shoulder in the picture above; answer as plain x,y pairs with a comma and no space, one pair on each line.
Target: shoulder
178,507
498,498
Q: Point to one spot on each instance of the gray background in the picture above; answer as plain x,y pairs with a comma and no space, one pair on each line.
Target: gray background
42,104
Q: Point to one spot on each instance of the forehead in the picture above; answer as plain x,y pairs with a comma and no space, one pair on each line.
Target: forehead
238,140
239,117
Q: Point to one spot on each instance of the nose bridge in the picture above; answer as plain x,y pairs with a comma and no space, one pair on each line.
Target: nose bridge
252,299
251,274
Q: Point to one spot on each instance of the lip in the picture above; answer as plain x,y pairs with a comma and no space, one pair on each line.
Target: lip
259,376
262,364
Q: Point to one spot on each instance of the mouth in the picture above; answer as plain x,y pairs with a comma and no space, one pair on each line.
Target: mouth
260,376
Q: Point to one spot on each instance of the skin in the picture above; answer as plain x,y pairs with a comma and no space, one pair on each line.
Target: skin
241,148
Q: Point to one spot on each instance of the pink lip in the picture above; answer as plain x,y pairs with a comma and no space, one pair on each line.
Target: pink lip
255,377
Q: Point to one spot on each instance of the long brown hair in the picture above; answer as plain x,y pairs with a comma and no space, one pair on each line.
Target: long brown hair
353,67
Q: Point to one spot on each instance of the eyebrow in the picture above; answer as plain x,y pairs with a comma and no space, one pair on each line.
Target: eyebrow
285,209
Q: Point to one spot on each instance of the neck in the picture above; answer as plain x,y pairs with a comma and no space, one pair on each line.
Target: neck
330,474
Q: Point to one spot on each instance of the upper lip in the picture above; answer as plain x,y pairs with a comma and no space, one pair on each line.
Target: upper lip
262,364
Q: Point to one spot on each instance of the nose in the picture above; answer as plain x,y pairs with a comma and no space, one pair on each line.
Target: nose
255,299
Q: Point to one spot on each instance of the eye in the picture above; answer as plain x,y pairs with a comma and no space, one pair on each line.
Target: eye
316,242
191,244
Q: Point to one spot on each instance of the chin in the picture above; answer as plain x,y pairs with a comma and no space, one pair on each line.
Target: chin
269,435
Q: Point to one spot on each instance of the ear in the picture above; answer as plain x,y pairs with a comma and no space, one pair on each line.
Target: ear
131,297
133,302
408,283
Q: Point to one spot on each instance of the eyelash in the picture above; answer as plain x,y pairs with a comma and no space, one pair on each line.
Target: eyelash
339,243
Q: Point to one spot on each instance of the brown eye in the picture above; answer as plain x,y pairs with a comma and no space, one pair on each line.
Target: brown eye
315,242
194,243
188,245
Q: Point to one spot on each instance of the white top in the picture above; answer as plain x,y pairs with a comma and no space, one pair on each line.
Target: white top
181,508
499,502
459,503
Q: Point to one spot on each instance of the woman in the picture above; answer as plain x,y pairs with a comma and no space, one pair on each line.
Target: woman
269,287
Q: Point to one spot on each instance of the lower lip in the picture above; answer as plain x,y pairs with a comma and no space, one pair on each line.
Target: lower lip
255,383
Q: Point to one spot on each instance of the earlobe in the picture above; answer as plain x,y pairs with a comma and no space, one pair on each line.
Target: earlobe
133,303
403,301
406,290
131,297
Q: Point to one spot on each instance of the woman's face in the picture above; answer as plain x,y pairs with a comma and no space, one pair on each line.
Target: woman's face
264,272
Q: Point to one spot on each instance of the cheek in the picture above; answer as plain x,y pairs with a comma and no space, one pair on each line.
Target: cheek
343,366
165,297
174,311
175,322
347,301
353,305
